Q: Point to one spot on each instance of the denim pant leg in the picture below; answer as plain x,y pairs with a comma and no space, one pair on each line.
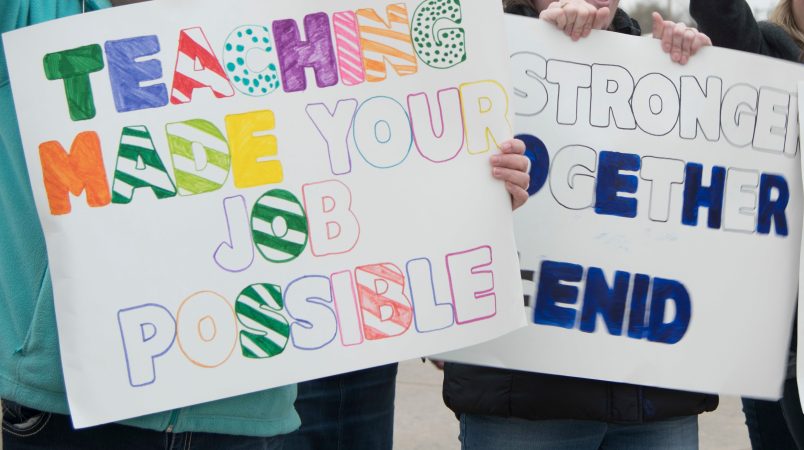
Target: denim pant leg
767,428
351,411
210,441
680,433
28,429
501,433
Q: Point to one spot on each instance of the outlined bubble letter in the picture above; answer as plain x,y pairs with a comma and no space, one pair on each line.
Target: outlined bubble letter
439,135
308,301
148,332
334,127
206,329
471,280
485,112
334,227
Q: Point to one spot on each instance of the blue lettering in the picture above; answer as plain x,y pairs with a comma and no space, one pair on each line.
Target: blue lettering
639,300
127,75
598,298
670,332
696,195
536,151
551,292
772,210
610,182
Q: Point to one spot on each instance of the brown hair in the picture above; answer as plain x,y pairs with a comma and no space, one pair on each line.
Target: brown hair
783,16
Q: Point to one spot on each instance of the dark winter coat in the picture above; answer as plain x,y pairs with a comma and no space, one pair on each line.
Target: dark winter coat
731,24
533,396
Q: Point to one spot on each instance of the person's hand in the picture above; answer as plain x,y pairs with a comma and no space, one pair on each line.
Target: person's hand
511,166
576,18
679,40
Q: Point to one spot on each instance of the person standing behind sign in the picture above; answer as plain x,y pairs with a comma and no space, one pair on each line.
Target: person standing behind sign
507,409
730,23
355,410
35,411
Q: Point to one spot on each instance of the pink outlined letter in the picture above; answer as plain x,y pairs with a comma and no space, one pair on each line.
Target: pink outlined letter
449,140
334,228
472,284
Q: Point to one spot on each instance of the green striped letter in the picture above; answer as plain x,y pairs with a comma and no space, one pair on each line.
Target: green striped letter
200,155
259,309
139,165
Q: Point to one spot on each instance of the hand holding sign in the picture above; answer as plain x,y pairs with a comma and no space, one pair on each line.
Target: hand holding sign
679,40
512,168
576,18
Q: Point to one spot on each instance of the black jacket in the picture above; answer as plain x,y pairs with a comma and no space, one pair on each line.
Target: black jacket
731,24
622,23
533,396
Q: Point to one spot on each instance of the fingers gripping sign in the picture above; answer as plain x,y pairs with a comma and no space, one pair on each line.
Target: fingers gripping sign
576,18
512,167
678,40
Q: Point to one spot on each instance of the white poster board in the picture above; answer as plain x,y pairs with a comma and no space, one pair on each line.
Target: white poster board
630,276
799,311
238,196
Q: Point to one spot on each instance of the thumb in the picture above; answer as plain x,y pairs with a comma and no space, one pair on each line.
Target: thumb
658,25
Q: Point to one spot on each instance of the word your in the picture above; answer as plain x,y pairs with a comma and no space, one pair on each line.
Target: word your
765,119
646,311
737,199
203,157
351,46
370,303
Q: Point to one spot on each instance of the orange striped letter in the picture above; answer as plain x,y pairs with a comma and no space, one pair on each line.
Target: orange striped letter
386,42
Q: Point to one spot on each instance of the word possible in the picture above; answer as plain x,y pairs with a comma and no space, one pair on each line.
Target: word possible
737,199
352,47
557,297
368,303
764,118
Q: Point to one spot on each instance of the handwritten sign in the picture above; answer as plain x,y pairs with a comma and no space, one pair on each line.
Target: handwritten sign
238,196
661,242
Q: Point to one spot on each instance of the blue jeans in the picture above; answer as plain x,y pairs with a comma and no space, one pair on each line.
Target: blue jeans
497,433
351,411
29,429
776,425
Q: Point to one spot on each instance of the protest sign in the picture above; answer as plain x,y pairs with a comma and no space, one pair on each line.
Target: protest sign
800,311
237,195
661,242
